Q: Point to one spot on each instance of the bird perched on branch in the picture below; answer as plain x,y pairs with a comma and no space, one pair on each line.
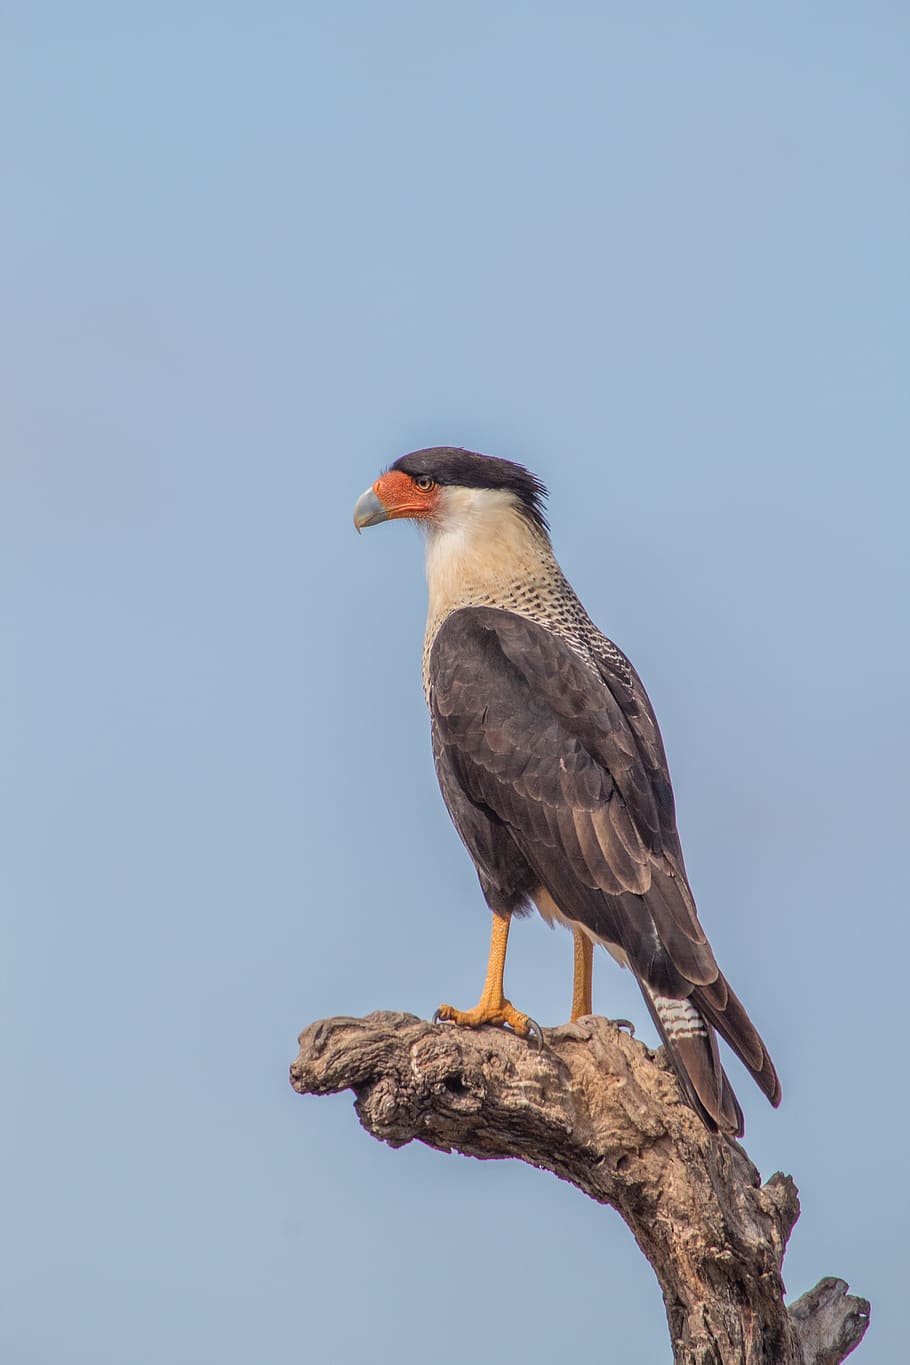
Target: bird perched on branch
552,767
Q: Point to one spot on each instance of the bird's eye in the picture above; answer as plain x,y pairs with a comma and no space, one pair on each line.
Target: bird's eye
424,482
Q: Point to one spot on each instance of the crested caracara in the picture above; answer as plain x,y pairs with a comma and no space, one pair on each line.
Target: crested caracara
552,766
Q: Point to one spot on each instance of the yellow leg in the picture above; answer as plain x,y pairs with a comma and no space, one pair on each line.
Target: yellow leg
492,1007
581,983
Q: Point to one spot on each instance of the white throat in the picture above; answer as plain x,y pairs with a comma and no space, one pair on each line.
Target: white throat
478,546
481,552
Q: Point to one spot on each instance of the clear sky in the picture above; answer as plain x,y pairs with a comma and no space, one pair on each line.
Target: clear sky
251,254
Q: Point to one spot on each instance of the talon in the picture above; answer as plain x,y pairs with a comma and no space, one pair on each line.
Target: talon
493,1007
627,1024
519,1023
502,1014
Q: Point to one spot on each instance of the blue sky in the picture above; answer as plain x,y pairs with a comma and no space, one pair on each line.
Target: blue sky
249,256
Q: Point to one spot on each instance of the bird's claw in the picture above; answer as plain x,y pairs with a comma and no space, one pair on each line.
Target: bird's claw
522,1025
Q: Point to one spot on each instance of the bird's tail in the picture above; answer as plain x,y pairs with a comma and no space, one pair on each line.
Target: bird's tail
691,1045
687,1026
723,1009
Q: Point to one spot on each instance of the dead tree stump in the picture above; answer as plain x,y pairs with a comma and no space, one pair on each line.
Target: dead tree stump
598,1109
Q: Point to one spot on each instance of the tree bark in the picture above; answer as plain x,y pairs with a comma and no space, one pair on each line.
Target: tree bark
598,1109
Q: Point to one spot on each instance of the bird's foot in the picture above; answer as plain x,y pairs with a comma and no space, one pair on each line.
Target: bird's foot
501,1013
617,1023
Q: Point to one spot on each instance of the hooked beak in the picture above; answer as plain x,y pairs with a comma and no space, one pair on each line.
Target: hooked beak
368,510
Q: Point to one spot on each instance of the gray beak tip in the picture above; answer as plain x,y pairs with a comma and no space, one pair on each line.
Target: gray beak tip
368,510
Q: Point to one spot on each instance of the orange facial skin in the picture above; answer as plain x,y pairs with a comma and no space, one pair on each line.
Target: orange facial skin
401,497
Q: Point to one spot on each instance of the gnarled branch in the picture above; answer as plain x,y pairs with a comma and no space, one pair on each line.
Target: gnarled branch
598,1109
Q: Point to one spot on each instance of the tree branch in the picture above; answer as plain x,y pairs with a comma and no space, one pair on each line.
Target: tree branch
598,1109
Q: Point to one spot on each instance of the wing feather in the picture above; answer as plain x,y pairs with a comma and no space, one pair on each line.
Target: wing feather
568,756
554,773
633,873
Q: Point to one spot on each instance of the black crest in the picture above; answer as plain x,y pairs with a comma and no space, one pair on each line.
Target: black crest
447,465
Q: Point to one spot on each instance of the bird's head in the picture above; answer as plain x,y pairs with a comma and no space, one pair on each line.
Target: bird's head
444,489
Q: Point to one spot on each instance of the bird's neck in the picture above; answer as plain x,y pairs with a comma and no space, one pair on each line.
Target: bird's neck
490,556
483,557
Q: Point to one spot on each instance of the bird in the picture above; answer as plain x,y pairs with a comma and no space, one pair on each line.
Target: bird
553,770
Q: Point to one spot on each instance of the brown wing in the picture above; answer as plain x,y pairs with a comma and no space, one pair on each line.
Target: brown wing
539,751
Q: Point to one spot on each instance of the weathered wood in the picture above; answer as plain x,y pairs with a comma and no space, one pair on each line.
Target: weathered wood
598,1109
